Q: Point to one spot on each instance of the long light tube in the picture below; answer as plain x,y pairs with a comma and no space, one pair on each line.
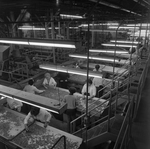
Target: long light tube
93,57
71,16
39,42
123,27
51,44
39,28
119,45
107,51
124,41
29,103
14,42
69,70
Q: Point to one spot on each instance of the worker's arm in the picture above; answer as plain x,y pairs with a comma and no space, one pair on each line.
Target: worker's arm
93,92
45,83
38,91
26,121
48,117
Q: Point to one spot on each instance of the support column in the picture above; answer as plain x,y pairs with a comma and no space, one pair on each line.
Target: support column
93,35
53,36
67,30
59,29
46,30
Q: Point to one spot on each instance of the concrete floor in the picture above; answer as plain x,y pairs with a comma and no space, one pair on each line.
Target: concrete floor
141,126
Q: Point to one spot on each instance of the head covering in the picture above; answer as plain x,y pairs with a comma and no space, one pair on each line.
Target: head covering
47,75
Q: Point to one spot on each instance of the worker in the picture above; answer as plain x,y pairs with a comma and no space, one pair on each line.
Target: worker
71,103
63,79
98,82
37,114
97,68
91,89
13,104
31,88
49,81
71,107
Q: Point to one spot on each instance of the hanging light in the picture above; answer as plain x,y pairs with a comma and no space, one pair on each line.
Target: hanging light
94,58
123,27
69,70
39,42
119,45
108,51
124,41
71,16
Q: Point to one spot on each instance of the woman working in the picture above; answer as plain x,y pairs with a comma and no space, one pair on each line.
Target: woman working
37,114
30,88
49,81
91,89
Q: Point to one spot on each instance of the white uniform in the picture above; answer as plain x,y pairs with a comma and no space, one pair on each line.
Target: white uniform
43,116
51,82
91,89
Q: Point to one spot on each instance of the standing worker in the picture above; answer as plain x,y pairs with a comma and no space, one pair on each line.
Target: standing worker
71,105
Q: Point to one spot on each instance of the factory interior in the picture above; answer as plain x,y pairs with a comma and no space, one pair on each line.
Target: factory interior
74,74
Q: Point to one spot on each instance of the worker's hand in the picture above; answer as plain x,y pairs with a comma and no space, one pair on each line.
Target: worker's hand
45,124
26,127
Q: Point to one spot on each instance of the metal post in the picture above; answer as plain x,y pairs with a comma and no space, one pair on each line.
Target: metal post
93,35
53,35
88,47
46,30
67,30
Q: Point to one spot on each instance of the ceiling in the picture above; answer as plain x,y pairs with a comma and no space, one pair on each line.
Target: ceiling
122,11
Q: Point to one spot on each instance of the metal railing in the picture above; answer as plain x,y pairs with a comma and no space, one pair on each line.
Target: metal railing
62,137
125,131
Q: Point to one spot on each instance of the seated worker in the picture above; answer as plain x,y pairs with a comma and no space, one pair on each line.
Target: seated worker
31,88
97,68
71,103
49,81
98,82
37,114
91,89
14,104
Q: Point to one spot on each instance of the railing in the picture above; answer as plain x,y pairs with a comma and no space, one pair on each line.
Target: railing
122,136
125,131
110,99
102,105
64,137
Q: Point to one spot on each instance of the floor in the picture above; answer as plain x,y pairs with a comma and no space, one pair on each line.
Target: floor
141,126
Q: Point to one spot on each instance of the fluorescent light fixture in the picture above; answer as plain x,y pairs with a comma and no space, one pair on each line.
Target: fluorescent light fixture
39,28
51,45
124,41
29,103
70,70
93,58
71,16
108,51
123,27
143,24
39,42
31,28
14,42
98,24
104,30
119,45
